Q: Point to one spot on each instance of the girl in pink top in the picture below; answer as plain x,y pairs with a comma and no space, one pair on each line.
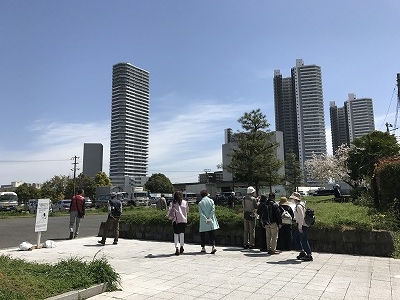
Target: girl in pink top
177,212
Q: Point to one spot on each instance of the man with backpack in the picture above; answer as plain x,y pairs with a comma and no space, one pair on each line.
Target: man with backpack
114,213
271,220
302,228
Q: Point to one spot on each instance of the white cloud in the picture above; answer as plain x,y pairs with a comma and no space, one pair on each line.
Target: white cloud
51,151
181,146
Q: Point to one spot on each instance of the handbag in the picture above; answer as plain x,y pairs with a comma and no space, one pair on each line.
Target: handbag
81,214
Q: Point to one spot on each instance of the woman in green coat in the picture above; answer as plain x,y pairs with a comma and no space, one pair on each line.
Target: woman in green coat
208,221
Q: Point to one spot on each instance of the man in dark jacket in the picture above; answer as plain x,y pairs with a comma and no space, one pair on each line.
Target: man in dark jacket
271,220
114,213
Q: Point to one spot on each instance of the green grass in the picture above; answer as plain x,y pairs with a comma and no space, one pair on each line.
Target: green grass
29,280
329,215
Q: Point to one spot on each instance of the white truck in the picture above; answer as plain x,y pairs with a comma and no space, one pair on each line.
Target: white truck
140,197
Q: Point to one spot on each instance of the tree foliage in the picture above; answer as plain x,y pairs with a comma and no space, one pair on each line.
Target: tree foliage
62,187
387,173
325,168
55,188
26,192
366,152
293,173
101,179
159,183
254,160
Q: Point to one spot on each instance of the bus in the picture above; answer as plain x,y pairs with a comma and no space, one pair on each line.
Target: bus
8,201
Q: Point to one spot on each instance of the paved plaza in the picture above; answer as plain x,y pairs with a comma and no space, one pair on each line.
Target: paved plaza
150,270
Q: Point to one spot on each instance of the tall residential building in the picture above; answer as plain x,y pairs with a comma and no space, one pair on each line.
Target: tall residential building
285,112
92,159
129,144
339,128
353,120
299,111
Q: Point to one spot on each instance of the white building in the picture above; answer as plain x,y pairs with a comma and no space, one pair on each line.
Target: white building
129,144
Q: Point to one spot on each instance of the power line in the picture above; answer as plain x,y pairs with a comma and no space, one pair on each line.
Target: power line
33,160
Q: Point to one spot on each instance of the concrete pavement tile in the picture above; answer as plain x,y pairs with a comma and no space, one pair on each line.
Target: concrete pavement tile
286,293
332,296
210,295
164,295
245,288
303,296
144,266
237,295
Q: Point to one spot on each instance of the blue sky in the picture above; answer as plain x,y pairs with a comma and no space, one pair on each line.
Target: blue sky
209,62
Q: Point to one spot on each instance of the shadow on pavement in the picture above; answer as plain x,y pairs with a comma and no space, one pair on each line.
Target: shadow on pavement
285,262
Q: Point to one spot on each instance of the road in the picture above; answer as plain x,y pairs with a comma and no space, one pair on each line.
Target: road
17,230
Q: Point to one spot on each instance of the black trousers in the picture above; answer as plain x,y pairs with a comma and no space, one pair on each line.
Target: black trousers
285,238
211,235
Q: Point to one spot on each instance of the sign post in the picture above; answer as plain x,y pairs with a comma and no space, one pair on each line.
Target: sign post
42,218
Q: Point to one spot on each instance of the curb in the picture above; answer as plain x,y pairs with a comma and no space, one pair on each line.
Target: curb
81,294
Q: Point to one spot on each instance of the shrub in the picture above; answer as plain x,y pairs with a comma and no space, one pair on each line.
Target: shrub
387,173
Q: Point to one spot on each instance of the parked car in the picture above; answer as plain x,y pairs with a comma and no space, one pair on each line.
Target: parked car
31,205
62,205
324,192
102,201
88,202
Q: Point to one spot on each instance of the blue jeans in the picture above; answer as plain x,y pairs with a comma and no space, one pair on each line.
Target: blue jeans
301,240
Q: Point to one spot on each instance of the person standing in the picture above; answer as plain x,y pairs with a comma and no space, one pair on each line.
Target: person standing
114,214
177,212
271,219
161,203
76,213
301,233
208,221
249,218
285,232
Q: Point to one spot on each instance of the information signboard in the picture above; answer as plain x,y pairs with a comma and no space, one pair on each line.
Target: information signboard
42,215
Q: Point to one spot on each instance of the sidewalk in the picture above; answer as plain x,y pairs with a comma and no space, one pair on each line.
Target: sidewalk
150,270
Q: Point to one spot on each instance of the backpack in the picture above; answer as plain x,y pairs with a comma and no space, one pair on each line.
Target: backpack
309,216
286,217
115,208
266,212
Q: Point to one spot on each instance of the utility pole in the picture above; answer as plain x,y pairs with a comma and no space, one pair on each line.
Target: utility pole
398,103
74,169
387,126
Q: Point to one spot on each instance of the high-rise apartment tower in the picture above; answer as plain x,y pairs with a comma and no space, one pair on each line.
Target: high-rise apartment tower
299,111
92,159
353,120
129,144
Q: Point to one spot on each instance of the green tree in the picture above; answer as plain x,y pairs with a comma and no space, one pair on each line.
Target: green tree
25,192
367,150
293,173
84,182
159,183
55,188
101,179
254,160
364,155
